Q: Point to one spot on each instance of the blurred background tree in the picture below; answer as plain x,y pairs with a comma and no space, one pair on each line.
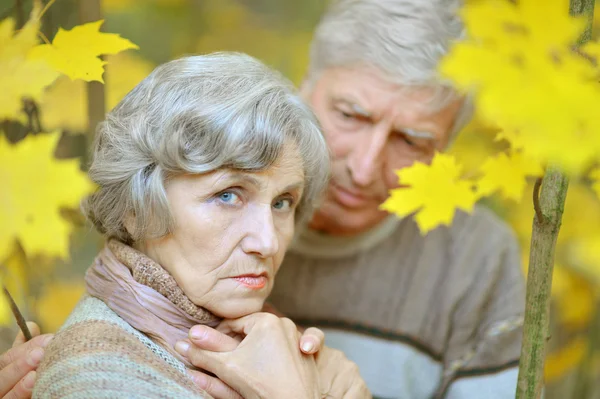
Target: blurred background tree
278,32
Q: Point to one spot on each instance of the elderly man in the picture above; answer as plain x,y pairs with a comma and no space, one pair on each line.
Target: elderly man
422,316
433,316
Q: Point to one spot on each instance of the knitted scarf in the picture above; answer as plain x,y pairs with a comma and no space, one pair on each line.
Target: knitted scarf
145,295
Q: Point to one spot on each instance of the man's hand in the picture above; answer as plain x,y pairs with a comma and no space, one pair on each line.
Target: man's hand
339,377
18,365
207,338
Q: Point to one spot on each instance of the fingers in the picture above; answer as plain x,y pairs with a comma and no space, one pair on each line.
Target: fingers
24,388
245,324
16,370
206,360
33,329
358,390
312,340
210,339
213,386
22,350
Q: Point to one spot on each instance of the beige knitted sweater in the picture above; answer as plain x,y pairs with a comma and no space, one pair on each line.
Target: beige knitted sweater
97,354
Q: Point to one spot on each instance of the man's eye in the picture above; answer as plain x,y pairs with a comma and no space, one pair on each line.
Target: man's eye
229,197
408,141
345,115
283,204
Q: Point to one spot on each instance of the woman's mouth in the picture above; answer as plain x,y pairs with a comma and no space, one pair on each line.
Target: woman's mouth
252,281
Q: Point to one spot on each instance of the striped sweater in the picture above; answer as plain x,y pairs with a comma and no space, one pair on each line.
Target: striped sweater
438,316
96,354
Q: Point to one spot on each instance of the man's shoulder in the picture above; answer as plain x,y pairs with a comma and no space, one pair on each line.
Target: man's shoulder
479,229
482,219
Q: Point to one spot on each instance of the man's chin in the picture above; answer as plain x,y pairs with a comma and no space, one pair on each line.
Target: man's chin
336,220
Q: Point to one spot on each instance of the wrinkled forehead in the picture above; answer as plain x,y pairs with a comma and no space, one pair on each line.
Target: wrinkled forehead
379,88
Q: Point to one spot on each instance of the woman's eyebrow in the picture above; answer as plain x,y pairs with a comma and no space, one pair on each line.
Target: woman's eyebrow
297,186
236,176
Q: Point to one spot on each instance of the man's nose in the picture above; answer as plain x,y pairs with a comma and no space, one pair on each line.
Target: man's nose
366,158
261,235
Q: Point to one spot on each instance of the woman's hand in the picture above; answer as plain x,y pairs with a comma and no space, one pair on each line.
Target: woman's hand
18,365
210,339
339,377
265,364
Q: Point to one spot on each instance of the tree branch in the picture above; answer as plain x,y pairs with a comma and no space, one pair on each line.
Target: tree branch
546,225
18,316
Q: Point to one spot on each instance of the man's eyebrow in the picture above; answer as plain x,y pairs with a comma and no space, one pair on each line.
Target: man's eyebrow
355,107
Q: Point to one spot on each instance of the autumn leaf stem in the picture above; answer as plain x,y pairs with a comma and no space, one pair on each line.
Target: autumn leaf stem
539,283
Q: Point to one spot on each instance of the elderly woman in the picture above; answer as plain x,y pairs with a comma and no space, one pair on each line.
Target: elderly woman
203,171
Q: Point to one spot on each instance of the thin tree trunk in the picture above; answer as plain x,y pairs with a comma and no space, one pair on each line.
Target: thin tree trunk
546,225
90,11
539,283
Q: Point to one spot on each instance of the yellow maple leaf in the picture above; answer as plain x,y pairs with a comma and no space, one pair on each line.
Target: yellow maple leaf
595,176
36,187
20,75
65,102
507,174
433,191
76,52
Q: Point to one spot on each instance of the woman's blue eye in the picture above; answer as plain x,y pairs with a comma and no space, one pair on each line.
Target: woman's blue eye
283,204
228,197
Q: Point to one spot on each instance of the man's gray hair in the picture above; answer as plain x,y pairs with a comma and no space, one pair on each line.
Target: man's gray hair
405,39
196,115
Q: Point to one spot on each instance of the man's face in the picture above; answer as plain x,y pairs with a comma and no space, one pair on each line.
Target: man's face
373,127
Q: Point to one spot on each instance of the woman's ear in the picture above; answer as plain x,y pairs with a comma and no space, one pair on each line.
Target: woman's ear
130,224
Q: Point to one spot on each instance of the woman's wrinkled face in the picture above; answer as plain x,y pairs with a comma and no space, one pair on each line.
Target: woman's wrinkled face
231,231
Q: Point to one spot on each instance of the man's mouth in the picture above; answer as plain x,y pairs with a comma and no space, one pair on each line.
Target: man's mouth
349,198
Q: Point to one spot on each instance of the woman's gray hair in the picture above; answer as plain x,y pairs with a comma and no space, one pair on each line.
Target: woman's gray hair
405,39
196,115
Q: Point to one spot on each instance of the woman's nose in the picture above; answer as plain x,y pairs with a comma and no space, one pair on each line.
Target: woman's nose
261,235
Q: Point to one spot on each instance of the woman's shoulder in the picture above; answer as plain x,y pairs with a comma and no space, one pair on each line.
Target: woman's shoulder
97,354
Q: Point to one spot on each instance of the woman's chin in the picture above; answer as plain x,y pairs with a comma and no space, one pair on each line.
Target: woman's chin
236,308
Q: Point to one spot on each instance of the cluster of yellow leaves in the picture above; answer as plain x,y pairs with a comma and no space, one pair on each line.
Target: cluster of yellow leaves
531,85
21,76
36,187
519,60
